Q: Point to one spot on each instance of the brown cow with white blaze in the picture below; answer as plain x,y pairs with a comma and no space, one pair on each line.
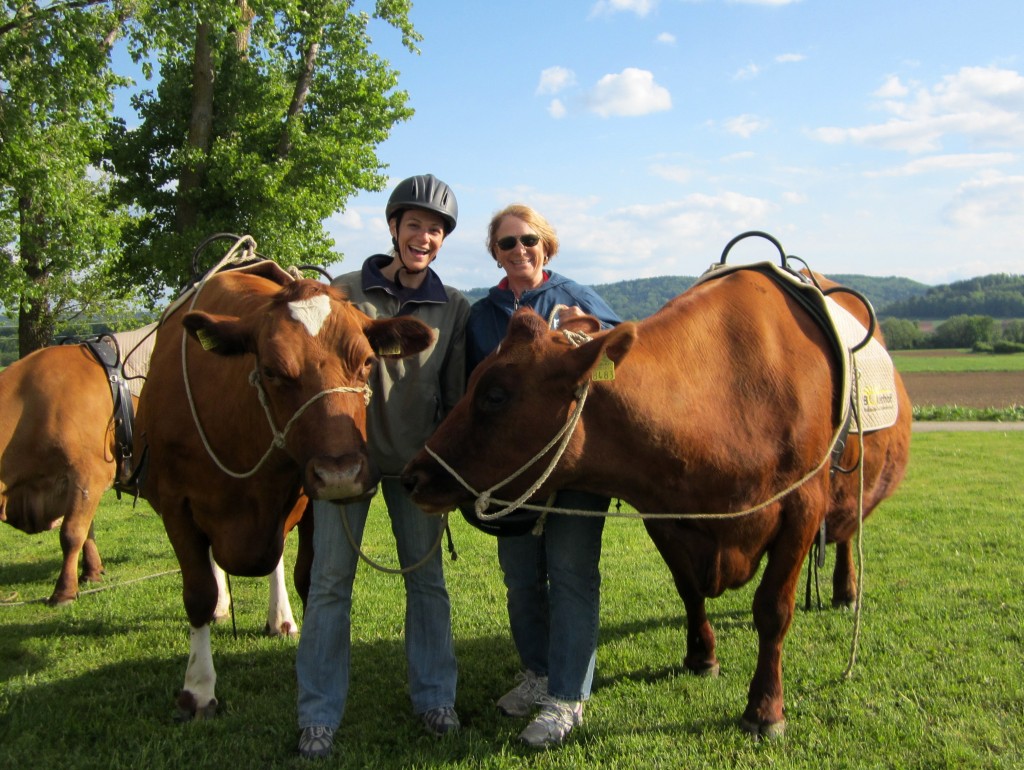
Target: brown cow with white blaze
226,474
720,401
57,453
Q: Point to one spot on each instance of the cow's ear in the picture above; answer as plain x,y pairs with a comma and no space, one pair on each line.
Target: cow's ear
223,335
398,337
597,359
582,324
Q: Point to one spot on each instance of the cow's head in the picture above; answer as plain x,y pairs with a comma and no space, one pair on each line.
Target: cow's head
313,352
518,398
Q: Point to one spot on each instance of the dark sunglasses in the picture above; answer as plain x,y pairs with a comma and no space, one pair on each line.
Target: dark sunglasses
509,241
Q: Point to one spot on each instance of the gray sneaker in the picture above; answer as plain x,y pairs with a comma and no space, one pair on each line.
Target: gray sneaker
553,724
441,721
522,699
316,742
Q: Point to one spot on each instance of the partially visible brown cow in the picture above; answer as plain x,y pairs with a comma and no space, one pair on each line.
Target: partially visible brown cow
58,453
723,399
225,469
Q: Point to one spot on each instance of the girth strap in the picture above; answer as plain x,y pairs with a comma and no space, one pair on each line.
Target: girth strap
106,352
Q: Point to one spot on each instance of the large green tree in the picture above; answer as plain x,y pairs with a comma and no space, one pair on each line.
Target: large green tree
265,120
59,229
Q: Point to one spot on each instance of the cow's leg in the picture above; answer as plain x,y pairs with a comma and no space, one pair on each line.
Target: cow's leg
700,656
92,565
774,601
304,558
844,577
279,615
197,699
200,594
222,609
81,503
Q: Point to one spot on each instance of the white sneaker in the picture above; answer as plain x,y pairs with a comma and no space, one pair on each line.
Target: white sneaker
521,700
554,722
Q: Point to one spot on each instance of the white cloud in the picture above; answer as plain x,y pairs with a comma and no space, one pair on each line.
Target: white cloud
892,88
555,79
608,7
984,105
795,198
788,58
990,200
747,73
667,38
630,93
745,125
947,163
671,173
556,109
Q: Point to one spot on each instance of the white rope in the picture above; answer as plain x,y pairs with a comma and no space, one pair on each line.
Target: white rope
236,256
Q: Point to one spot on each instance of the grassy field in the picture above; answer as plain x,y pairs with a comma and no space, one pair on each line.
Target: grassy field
907,361
939,678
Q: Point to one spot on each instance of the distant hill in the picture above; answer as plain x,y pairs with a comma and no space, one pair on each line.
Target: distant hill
640,297
998,296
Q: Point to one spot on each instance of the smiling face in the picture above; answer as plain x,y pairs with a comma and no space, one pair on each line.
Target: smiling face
418,234
524,265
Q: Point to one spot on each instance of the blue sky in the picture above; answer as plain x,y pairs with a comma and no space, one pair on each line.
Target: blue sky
880,137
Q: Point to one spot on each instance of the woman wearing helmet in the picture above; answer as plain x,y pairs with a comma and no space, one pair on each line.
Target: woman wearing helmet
412,395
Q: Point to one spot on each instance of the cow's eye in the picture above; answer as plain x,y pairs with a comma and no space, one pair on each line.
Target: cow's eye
493,398
269,374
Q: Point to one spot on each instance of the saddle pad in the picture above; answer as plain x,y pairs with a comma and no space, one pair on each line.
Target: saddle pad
872,367
136,347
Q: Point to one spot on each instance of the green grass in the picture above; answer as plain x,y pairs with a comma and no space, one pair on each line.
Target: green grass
957,361
938,683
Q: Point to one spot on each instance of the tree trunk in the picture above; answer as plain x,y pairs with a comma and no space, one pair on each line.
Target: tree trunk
244,30
199,130
36,323
299,95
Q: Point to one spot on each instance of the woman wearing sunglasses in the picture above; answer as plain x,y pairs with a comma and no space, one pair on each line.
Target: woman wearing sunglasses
552,577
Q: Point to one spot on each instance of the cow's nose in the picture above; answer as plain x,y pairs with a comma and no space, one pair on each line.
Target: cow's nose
410,480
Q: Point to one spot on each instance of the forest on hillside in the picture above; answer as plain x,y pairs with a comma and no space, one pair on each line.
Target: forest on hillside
640,297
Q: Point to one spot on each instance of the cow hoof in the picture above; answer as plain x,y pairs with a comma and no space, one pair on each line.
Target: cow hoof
91,577
705,670
844,604
60,601
286,629
766,730
187,709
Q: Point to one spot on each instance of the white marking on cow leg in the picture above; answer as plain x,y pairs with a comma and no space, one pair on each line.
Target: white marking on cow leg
311,312
279,615
223,608
200,677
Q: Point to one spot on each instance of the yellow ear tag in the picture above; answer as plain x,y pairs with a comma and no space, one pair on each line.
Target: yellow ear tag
207,340
605,369
393,350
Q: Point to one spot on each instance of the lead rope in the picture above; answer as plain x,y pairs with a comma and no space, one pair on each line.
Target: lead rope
860,530
357,547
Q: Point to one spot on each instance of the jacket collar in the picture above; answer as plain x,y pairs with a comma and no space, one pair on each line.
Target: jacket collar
431,290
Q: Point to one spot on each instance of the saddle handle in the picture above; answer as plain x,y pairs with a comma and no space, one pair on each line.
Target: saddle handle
753,233
872,320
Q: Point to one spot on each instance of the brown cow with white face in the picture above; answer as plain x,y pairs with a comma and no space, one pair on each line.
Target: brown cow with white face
256,394
720,401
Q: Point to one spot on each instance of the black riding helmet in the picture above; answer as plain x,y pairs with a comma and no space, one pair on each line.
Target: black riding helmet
428,192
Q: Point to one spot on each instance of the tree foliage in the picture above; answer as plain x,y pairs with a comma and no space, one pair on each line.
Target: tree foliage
59,229
265,121
998,295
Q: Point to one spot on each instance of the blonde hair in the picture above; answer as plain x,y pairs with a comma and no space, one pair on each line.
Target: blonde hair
536,222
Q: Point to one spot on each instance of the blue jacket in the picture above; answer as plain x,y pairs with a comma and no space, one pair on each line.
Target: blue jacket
489,317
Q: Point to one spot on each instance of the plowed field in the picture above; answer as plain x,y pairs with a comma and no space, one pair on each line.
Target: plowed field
979,390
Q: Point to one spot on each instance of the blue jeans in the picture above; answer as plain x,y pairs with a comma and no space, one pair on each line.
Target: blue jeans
554,595
323,658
